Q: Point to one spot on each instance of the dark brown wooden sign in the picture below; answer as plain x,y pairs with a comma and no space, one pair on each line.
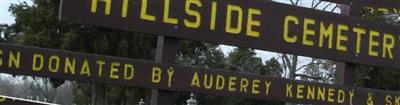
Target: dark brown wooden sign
385,6
67,65
356,1
256,24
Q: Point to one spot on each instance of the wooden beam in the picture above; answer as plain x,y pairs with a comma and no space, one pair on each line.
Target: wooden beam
166,51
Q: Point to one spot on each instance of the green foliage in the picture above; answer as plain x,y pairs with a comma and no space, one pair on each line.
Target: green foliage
200,54
244,60
272,67
380,78
377,78
38,25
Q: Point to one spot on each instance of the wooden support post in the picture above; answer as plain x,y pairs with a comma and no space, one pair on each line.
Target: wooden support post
345,71
355,9
166,51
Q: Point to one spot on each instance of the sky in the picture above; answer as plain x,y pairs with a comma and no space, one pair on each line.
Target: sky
5,15
7,18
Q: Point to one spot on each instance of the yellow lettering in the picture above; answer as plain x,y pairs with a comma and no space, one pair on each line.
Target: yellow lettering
156,75
101,64
326,33
370,9
54,64
208,79
125,5
170,73
2,99
251,22
341,37
255,89
373,43
220,83
360,32
341,96
1,59
388,100
37,58
114,70
321,94
69,66
388,44
85,69
289,90
94,6
243,85
195,80
167,18
383,10
300,91
396,11
232,83
213,15
311,92
129,69
228,27
194,13
351,97
143,12
14,60
397,100
286,36
330,95
307,32
268,87
107,9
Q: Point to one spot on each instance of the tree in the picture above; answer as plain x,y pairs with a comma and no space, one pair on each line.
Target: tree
42,87
200,54
7,87
320,71
273,68
244,60
38,25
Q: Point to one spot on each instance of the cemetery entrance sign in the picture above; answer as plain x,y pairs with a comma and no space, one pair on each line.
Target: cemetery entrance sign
67,65
256,24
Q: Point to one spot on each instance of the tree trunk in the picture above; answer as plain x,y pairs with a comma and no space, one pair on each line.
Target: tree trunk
93,100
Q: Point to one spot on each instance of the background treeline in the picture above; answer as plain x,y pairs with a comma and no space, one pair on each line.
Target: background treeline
38,25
